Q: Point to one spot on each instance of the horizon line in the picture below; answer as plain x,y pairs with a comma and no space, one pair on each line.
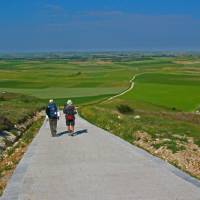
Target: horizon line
102,51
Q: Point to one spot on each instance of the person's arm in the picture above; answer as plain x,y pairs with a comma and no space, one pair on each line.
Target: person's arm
57,112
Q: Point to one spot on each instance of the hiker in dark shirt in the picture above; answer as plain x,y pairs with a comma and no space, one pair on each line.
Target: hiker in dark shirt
52,114
70,111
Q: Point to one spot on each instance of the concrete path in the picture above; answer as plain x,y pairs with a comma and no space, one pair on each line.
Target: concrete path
131,86
94,165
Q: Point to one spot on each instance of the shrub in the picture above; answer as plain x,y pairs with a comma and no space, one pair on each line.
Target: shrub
173,108
27,99
2,98
125,109
5,123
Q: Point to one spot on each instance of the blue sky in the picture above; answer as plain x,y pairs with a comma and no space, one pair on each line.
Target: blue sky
63,25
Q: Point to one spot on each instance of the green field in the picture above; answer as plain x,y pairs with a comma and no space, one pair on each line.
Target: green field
61,79
173,91
170,82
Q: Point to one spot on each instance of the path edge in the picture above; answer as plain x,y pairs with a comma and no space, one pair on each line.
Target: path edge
13,187
173,169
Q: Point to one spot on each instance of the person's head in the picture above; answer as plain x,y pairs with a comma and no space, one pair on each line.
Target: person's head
51,101
69,102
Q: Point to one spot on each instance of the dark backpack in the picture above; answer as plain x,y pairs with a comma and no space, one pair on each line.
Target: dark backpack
69,112
52,111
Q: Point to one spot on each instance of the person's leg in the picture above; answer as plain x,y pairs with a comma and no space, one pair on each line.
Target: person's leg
54,127
72,126
51,126
68,126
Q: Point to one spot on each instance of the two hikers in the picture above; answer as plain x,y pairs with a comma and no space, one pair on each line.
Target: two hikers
53,116
70,111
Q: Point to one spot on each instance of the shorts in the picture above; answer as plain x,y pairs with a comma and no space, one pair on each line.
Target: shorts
70,122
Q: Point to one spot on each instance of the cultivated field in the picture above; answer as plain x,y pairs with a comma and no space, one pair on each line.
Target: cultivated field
61,79
170,82
176,91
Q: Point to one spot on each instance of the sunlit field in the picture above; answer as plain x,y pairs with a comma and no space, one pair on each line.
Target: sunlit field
60,79
176,91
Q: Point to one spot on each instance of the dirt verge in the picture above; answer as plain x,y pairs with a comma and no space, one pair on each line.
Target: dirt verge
187,156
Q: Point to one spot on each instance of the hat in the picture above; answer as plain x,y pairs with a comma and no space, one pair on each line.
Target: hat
69,102
51,101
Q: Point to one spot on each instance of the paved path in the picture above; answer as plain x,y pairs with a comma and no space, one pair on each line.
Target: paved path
132,83
94,166
131,86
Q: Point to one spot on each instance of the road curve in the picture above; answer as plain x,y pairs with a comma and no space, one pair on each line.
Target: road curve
131,86
94,165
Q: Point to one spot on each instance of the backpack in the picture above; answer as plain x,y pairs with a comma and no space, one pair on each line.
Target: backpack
52,111
69,117
69,112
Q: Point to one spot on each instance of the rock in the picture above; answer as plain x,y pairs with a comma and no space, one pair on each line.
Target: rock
166,140
178,136
9,148
18,133
197,112
143,136
137,117
119,117
16,143
2,143
10,137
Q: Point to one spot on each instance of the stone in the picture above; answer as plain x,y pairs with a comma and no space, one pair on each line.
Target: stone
137,117
2,143
10,137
